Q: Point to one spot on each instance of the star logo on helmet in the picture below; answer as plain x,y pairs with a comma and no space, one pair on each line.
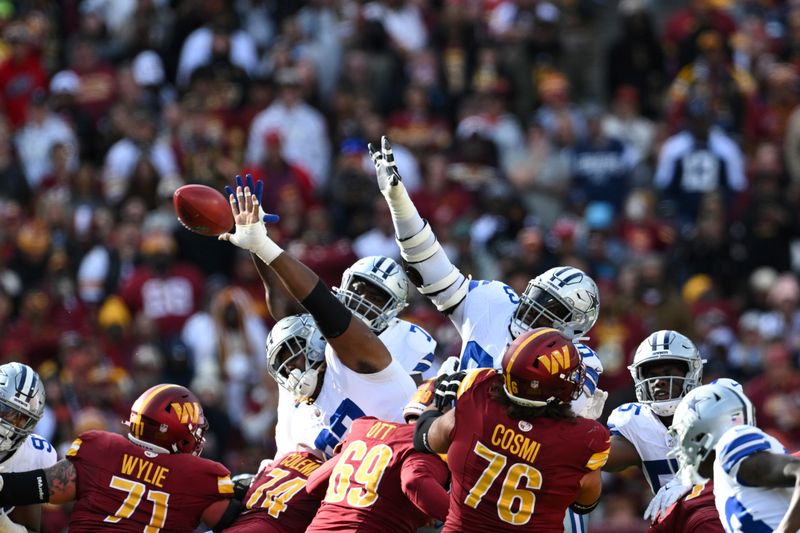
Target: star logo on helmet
692,403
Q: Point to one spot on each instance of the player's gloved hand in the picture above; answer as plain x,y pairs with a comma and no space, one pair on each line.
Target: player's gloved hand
449,366
446,389
665,497
7,526
251,234
592,408
241,484
257,189
389,181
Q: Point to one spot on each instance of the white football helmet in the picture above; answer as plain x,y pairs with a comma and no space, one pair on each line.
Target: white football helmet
21,404
701,418
385,280
665,345
563,298
736,387
300,336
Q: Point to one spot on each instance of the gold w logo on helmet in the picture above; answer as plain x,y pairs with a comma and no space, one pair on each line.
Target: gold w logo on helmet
187,412
556,361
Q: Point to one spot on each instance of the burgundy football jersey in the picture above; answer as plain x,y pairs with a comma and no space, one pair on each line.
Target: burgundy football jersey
375,478
277,501
694,513
123,487
515,475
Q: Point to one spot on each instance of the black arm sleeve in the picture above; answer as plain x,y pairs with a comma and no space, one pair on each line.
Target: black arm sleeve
24,488
331,316
424,423
235,507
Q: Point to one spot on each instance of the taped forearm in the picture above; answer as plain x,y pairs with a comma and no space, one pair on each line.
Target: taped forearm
429,268
405,216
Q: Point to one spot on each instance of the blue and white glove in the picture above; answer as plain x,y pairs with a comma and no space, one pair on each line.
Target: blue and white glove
665,497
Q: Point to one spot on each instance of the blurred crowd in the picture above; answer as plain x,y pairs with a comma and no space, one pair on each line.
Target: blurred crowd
654,144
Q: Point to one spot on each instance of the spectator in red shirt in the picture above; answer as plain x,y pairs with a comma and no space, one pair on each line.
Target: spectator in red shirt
165,291
20,75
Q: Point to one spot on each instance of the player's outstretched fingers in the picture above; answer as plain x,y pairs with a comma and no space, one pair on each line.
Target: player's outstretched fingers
234,204
248,200
374,154
386,149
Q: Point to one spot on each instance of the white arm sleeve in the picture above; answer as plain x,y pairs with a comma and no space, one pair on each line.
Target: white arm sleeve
431,271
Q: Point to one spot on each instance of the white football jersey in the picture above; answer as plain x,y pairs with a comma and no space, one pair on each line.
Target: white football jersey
34,453
345,396
409,344
483,320
744,509
642,428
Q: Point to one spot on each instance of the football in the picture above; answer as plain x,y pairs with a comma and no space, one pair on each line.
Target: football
202,209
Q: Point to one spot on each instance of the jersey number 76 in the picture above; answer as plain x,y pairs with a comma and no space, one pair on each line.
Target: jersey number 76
510,492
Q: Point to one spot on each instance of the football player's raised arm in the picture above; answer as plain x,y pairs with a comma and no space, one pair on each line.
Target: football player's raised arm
764,469
280,304
623,455
426,262
355,344
422,479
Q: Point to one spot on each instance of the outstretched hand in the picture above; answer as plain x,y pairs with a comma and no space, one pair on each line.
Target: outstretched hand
385,166
257,189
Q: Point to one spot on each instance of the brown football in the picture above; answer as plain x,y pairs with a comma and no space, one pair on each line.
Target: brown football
202,209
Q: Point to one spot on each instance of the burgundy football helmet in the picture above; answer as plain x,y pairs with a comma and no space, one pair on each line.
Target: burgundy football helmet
168,418
542,366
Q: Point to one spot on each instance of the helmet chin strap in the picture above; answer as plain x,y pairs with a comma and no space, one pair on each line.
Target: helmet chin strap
147,446
303,383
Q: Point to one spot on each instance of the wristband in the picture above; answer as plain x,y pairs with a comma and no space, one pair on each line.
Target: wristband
24,488
424,423
583,509
269,251
331,316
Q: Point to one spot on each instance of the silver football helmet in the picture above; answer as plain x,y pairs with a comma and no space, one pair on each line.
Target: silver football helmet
662,346
375,289
296,341
21,404
564,298
702,416
737,388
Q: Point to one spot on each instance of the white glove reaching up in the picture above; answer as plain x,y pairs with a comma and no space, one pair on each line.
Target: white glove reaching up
665,497
389,181
592,406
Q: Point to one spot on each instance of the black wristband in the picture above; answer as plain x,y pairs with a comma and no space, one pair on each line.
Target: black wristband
583,509
424,423
232,512
331,316
25,488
